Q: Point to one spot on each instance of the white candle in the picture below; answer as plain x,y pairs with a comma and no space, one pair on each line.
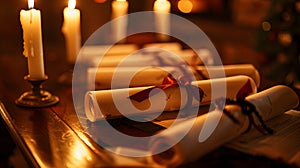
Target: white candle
32,36
162,8
119,8
71,31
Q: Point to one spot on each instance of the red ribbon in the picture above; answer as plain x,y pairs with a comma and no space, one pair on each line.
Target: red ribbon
245,90
168,82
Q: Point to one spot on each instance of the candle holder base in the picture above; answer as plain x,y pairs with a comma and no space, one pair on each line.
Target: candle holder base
37,97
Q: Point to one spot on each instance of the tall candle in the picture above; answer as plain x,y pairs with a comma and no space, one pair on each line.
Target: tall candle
119,8
32,36
71,31
162,8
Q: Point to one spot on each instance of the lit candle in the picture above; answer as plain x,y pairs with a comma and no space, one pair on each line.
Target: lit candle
32,36
71,31
119,8
162,8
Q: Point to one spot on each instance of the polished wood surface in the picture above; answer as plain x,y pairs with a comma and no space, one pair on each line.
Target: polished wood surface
48,137
54,137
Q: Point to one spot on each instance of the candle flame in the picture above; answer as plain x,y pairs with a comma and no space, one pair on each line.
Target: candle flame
121,0
162,6
72,4
30,4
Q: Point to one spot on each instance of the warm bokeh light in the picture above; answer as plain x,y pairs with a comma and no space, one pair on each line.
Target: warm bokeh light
121,0
285,38
266,26
72,4
185,6
30,4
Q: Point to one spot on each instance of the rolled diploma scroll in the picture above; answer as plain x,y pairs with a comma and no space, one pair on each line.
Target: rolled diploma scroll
135,58
172,46
90,53
100,104
103,77
231,70
269,103
119,49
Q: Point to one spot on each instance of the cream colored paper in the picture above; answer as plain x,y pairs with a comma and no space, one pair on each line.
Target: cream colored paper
142,59
99,50
191,57
166,46
230,70
103,103
104,76
283,145
112,57
269,103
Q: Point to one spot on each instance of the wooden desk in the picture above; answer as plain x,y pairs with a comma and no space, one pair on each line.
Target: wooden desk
53,137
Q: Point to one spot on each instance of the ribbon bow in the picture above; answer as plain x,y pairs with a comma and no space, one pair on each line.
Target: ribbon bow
168,82
247,108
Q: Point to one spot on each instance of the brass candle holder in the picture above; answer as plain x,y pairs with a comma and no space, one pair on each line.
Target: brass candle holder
37,96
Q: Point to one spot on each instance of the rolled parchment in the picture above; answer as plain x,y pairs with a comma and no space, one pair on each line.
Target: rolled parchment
115,103
172,46
145,57
230,70
269,103
99,50
104,76
191,57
